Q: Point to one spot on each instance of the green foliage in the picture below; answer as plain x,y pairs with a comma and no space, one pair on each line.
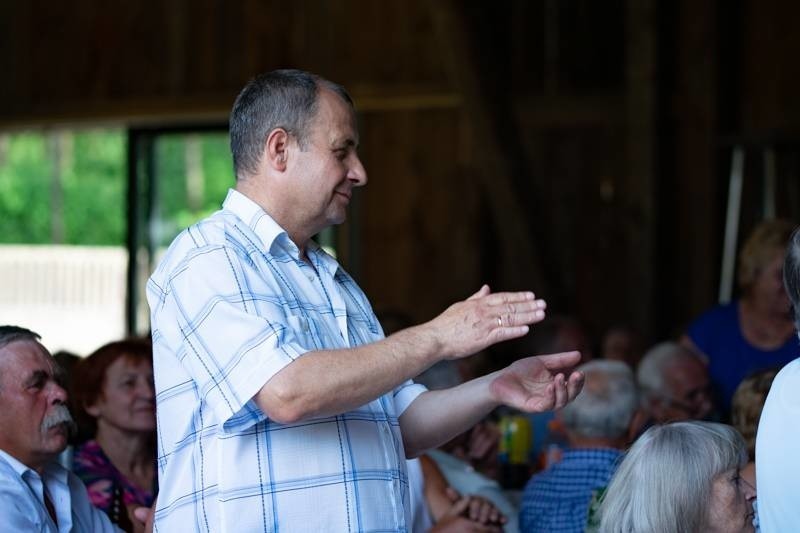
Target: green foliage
93,185
173,210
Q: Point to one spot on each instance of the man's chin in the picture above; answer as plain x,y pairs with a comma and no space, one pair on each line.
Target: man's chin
59,433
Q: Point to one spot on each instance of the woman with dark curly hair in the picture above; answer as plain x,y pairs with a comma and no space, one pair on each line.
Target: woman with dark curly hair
113,394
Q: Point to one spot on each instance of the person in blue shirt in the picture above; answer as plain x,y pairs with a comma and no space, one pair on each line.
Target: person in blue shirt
755,331
598,425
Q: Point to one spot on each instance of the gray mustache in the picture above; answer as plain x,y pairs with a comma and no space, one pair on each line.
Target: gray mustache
59,415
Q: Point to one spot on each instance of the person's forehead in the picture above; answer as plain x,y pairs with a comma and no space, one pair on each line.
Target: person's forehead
335,118
688,372
19,359
125,364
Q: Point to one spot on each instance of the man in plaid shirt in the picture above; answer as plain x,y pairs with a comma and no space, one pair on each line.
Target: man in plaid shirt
281,406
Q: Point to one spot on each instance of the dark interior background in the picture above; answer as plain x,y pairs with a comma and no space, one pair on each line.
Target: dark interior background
575,147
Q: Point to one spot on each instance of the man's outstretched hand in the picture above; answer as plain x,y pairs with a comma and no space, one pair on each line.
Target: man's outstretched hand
537,384
484,319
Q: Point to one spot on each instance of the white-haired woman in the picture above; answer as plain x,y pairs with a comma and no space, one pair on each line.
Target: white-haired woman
681,478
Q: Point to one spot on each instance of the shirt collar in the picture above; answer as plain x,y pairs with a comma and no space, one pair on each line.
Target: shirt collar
255,217
18,467
591,454
51,470
270,232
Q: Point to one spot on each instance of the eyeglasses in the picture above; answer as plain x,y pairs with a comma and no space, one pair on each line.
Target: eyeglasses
696,401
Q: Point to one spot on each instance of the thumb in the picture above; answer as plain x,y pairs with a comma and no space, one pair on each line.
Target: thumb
555,361
142,513
452,494
459,507
484,290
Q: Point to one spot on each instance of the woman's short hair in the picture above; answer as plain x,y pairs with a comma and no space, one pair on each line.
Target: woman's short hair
747,404
767,241
791,275
664,483
90,375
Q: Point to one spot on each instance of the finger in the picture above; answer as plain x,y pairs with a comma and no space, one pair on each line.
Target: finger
575,385
485,512
557,361
561,391
452,494
474,508
506,333
520,317
503,298
459,507
142,513
483,291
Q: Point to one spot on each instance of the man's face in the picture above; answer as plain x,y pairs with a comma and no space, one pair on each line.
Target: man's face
327,168
32,404
688,394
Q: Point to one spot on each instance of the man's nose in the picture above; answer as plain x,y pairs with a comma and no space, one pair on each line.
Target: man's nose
58,395
357,174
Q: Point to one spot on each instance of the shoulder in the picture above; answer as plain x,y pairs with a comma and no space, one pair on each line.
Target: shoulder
720,319
18,509
719,314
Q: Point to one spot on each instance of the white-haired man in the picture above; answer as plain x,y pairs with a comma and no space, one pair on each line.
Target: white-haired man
36,493
674,384
598,425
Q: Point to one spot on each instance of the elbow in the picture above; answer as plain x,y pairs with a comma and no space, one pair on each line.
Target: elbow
281,405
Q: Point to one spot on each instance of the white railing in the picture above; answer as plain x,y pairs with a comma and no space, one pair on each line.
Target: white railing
74,296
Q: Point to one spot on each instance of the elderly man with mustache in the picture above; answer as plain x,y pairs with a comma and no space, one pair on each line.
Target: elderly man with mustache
36,493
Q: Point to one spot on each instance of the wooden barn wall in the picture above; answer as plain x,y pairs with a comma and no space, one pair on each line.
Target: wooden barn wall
569,146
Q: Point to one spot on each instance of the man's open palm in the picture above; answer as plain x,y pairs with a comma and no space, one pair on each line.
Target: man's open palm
537,384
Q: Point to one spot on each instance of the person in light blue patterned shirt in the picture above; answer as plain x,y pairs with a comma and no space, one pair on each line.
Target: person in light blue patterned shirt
280,404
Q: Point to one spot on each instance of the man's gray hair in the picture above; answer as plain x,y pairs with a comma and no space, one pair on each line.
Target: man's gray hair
284,99
652,368
664,483
607,403
9,334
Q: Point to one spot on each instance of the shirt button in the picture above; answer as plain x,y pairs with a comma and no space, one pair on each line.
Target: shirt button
311,278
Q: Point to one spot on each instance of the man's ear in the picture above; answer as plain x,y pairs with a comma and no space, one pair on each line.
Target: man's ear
276,149
93,410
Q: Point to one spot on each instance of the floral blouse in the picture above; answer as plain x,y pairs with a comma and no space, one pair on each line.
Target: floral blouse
109,490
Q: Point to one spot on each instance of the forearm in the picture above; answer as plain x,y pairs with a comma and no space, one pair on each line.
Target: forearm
435,417
331,382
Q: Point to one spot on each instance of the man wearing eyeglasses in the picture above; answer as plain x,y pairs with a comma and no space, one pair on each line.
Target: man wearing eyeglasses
674,384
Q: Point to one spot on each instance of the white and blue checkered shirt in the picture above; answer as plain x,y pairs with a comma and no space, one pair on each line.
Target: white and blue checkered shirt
231,305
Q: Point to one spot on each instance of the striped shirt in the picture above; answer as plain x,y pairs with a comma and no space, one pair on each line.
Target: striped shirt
232,304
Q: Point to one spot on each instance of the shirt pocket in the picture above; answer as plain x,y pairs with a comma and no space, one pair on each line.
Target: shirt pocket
312,333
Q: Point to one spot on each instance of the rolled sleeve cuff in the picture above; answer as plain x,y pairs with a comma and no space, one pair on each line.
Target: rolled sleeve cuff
257,376
405,394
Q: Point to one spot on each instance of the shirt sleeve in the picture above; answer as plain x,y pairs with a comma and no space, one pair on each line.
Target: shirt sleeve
232,329
405,394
